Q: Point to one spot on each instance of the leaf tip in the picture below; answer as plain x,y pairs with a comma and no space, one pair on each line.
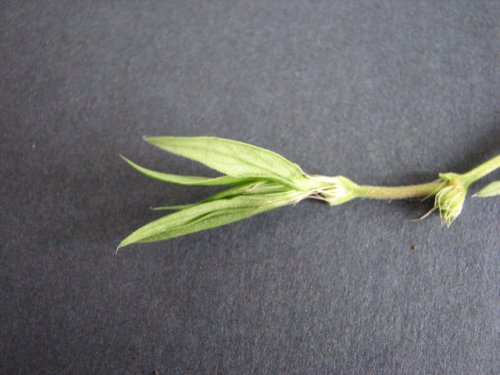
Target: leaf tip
149,139
131,163
123,157
122,244
490,190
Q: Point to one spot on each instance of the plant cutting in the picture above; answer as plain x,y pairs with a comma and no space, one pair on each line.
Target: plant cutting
260,180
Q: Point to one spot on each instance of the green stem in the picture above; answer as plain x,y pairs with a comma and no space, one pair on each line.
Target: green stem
399,192
481,170
427,189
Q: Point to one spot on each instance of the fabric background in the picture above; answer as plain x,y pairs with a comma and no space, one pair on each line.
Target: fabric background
383,92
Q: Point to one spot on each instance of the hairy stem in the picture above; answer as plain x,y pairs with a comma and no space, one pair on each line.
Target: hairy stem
481,170
399,192
429,188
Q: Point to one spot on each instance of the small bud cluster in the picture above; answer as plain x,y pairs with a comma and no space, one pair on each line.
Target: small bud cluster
450,198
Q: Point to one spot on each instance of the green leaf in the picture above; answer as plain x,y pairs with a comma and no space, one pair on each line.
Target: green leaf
176,207
255,187
235,159
490,190
186,180
208,215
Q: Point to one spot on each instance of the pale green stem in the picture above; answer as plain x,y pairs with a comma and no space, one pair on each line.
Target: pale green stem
428,189
399,192
481,171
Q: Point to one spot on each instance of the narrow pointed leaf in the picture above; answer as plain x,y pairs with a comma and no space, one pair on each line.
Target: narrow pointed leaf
236,159
490,190
173,208
186,180
206,215
255,187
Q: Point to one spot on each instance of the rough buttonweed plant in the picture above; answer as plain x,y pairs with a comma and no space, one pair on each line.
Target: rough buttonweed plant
260,180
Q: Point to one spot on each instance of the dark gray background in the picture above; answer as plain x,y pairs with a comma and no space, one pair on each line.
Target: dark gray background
384,92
